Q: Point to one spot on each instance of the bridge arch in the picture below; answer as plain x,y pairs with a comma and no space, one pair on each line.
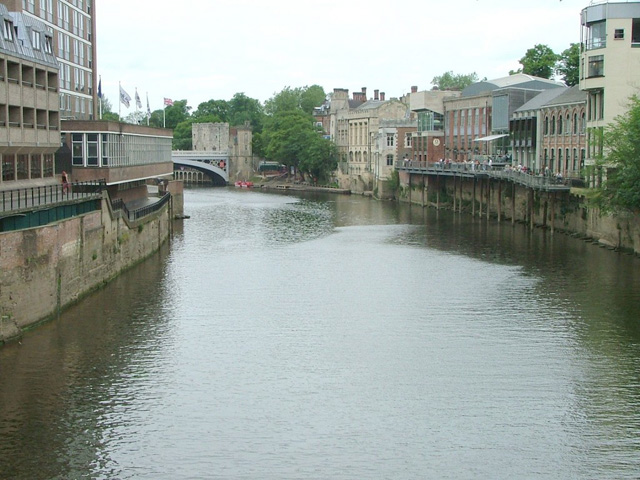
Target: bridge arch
213,164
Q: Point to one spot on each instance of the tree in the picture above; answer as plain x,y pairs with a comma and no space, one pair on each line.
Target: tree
320,158
621,189
568,65
311,98
213,111
182,136
245,109
176,113
301,98
104,106
539,61
290,137
451,81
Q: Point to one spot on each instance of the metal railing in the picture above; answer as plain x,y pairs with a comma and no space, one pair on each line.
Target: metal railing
495,171
137,213
33,197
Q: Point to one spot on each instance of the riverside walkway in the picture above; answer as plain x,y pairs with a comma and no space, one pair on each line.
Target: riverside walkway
499,172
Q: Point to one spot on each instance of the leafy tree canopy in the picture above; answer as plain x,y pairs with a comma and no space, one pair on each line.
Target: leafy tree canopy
453,81
176,113
621,189
245,109
568,66
290,137
218,109
182,137
539,61
301,98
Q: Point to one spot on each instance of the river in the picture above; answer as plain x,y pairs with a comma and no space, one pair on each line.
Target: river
336,337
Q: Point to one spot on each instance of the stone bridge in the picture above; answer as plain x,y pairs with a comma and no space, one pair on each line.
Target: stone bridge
213,164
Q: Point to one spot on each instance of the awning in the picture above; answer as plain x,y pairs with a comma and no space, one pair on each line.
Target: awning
491,137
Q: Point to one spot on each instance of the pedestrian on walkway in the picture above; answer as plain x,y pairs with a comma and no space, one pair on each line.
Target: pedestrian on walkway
65,182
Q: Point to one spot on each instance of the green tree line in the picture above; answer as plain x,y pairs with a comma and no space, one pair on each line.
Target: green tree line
283,128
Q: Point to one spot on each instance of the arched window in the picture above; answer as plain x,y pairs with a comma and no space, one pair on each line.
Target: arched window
546,125
553,125
559,124
575,123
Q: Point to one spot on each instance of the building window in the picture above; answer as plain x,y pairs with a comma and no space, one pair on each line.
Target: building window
92,149
618,34
390,142
575,123
77,149
35,40
389,160
559,124
635,31
553,125
596,66
407,140
48,44
597,35
8,30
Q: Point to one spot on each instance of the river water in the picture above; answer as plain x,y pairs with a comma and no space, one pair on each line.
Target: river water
335,337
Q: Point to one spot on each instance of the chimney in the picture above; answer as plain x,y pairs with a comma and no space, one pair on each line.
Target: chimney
382,96
375,95
364,93
414,89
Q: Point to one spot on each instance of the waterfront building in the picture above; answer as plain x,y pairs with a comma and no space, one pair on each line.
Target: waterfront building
355,128
477,122
126,157
427,142
564,133
609,65
393,143
72,25
29,113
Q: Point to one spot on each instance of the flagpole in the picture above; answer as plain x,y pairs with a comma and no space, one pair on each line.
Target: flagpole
119,100
100,96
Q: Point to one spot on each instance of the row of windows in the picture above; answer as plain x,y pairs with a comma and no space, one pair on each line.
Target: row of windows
25,167
28,75
566,126
116,150
16,116
81,54
72,106
81,81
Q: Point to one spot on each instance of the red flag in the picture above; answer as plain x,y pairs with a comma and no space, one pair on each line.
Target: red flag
168,101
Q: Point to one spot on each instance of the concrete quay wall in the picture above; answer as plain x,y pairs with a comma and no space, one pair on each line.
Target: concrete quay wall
507,201
46,269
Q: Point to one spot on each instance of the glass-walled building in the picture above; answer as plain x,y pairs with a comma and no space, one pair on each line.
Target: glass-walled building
125,156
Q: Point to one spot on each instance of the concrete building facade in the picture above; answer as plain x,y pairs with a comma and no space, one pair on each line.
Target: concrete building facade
29,113
609,66
71,24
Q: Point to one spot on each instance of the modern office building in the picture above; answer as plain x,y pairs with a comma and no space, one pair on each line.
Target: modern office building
477,122
29,114
71,25
610,65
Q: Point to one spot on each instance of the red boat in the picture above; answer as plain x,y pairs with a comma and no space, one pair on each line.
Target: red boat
244,184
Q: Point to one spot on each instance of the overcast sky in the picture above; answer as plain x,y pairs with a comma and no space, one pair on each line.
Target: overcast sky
198,50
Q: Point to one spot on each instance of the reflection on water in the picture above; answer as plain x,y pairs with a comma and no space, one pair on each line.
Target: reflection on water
336,337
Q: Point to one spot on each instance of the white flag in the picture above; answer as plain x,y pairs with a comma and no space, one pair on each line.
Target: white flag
125,99
138,102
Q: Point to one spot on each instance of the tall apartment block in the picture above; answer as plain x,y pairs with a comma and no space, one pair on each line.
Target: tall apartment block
72,26
29,103
610,65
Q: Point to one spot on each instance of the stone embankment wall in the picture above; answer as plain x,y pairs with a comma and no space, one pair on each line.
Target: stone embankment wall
45,269
556,211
